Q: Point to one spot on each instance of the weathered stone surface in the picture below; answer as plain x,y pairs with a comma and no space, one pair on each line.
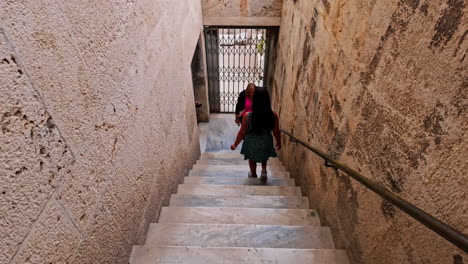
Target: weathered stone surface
382,86
237,190
237,173
229,215
242,21
54,238
97,113
251,201
198,255
271,161
242,8
230,168
240,235
238,181
34,158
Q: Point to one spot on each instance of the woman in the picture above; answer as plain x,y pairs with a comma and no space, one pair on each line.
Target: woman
244,103
256,132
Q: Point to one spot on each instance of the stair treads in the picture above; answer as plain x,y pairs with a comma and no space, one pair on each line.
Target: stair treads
244,167
222,155
291,202
237,173
227,156
237,158
219,235
211,255
232,215
238,190
238,181
234,162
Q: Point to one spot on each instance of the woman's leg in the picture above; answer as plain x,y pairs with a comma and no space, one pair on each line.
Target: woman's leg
253,168
263,175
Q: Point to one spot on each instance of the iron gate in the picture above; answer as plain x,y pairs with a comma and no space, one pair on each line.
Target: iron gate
236,56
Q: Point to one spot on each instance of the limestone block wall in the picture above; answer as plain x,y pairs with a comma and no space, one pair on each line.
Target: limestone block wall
242,8
383,87
97,124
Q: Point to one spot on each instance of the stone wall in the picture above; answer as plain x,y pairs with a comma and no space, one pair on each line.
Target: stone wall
97,124
242,8
383,87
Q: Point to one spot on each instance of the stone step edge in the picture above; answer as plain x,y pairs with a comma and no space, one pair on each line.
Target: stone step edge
238,224
234,168
291,181
226,154
233,159
200,247
153,237
237,186
240,159
237,197
302,199
233,208
285,174
313,213
296,189
239,163
144,249
238,248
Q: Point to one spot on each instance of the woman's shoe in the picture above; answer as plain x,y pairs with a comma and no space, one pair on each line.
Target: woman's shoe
263,176
250,175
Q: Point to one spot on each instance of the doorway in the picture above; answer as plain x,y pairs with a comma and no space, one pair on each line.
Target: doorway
236,56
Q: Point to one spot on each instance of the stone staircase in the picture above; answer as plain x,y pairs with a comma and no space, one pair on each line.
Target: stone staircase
220,216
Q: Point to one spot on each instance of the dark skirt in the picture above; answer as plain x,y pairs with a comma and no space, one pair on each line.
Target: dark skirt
258,147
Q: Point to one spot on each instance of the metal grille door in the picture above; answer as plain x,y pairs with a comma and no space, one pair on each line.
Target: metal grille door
236,56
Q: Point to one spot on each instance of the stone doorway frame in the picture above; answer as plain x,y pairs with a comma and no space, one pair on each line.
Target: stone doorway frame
200,80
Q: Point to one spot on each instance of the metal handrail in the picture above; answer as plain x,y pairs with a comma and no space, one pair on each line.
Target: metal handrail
449,233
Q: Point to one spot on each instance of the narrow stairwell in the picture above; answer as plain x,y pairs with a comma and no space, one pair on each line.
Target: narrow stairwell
220,216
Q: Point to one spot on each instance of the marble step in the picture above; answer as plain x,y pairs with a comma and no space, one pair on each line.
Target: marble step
248,201
233,215
238,181
233,162
205,156
222,155
237,173
238,190
227,235
231,255
225,155
244,167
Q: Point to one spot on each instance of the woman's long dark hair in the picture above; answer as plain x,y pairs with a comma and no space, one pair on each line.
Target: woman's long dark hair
263,118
